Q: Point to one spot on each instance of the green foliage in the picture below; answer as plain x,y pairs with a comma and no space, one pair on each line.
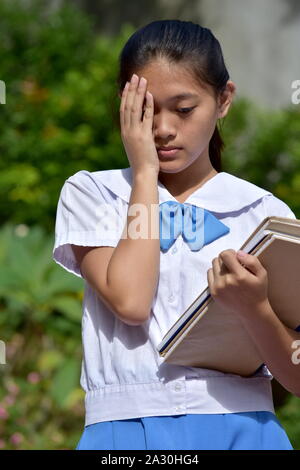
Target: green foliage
59,118
40,320
262,146
288,416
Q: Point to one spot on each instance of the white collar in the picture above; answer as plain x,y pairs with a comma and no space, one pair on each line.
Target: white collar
222,193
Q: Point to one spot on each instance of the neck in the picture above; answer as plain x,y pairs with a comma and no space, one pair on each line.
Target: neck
187,180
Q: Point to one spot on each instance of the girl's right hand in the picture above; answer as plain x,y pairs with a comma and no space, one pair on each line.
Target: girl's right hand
136,128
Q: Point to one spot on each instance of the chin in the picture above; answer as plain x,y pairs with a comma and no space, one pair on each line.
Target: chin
173,166
170,168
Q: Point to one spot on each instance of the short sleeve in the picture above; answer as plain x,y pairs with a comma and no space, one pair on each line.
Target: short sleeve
88,214
275,206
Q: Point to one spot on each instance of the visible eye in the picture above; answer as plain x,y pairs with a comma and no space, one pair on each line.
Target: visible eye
185,110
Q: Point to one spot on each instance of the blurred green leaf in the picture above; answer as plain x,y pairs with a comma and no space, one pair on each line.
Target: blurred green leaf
49,360
70,307
64,381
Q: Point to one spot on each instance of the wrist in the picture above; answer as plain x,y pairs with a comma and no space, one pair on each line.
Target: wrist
141,175
262,310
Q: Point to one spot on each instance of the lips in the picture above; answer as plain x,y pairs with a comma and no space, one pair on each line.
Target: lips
168,148
167,151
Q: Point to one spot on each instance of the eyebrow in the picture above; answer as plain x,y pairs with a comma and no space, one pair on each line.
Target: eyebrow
182,96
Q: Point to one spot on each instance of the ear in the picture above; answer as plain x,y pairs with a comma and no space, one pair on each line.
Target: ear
226,99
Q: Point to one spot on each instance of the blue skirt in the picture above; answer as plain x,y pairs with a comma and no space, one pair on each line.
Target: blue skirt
253,430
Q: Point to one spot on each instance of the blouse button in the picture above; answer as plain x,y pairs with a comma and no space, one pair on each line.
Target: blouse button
177,387
174,249
171,298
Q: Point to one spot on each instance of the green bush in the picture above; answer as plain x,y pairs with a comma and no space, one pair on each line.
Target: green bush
41,401
58,114
263,147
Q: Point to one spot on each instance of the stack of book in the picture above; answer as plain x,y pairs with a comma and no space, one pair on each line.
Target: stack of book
207,336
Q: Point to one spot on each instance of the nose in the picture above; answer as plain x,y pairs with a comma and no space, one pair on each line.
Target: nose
163,128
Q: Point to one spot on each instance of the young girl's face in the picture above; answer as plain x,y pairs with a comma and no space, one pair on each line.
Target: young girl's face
185,122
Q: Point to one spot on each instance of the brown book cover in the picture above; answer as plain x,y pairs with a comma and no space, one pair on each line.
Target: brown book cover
205,336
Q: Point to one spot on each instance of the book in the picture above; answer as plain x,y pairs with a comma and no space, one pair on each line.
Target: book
206,336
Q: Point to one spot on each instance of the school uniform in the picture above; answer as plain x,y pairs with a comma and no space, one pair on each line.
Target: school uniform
133,399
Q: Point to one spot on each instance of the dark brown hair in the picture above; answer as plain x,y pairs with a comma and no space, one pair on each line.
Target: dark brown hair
180,42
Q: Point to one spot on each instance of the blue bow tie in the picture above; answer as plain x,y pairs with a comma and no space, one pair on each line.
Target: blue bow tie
198,226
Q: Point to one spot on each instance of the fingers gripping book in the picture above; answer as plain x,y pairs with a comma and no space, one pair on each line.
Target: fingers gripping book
206,336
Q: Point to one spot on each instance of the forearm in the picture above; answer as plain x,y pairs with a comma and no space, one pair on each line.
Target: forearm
133,270
274,341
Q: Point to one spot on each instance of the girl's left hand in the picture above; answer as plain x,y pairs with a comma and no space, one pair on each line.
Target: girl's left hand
239,284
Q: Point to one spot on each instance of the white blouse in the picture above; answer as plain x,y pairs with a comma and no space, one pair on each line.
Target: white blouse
122,374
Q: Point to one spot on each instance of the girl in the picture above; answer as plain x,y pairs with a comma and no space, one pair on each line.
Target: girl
174,87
